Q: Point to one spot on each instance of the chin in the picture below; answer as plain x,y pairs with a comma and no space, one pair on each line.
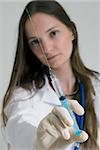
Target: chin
58,65
55,66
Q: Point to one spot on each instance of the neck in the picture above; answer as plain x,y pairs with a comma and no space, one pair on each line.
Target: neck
66,78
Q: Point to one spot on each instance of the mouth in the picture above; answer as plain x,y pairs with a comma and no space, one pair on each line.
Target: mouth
52,57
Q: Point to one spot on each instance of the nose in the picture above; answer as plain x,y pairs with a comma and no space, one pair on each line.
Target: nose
47,46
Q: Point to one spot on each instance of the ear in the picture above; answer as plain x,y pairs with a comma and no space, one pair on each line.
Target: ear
72,36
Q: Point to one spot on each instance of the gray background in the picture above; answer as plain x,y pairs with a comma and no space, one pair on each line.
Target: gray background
86,15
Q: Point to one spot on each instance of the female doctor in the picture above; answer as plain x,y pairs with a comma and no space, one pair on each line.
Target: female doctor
32,111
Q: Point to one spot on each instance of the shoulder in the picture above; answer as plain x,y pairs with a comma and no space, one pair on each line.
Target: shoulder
19,98
95,80
96,83
21,94
23,101
24,94
96,86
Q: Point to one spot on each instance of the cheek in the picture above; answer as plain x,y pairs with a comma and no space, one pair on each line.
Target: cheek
67,47
38,53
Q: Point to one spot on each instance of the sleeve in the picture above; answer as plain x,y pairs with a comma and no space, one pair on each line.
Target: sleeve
97,99
21,126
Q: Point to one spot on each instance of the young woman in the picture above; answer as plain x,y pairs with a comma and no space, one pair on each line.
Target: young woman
32,111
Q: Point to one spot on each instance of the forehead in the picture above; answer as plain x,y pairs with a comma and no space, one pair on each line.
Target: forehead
41,22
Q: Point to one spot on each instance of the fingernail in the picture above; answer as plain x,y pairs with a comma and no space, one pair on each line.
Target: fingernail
66,134
84,136
71,122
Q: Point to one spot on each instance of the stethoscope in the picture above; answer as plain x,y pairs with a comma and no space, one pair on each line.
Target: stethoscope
80,119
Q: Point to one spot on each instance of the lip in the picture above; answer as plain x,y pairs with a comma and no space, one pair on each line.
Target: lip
52,57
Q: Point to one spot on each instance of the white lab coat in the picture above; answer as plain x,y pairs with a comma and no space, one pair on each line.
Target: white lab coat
25,111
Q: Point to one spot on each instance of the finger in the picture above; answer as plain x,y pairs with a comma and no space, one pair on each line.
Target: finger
47,126
82,138
53,130
76,107
63,114
60,127
46,133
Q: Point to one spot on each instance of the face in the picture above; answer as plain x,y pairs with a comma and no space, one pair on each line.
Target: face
49,39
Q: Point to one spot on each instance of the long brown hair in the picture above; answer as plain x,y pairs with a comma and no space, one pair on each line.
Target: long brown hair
28,68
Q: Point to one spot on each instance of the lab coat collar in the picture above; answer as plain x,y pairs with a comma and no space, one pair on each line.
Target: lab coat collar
50,95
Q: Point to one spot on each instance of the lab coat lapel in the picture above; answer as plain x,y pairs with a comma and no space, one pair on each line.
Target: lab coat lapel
50,95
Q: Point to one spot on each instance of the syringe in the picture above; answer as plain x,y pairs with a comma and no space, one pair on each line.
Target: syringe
64,101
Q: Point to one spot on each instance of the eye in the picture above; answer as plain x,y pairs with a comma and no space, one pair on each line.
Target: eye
34,42
53,33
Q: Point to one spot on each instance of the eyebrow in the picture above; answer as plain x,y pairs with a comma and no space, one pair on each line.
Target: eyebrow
34,37
51,29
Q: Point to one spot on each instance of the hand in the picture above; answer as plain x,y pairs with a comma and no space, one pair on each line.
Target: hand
56,128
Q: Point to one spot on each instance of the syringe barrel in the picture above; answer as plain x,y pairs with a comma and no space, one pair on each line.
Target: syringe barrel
65,103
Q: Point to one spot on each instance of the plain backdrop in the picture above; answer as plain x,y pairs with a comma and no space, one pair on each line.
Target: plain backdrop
86,15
